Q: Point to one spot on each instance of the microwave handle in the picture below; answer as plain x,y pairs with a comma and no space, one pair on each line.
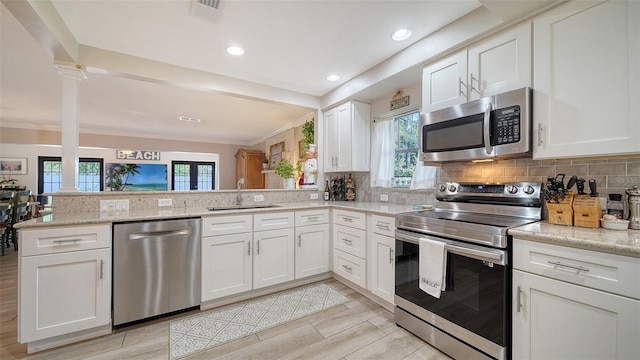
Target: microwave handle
487,121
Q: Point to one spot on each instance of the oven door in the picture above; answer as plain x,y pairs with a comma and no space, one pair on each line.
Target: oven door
475,306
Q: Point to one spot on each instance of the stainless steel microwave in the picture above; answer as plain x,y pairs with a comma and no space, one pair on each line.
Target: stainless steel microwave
493,127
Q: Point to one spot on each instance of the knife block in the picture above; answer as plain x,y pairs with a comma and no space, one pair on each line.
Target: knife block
587,211
562,213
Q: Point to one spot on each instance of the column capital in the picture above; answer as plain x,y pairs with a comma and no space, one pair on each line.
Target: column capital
76,71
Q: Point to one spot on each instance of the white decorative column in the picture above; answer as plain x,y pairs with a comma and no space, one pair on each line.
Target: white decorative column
71,76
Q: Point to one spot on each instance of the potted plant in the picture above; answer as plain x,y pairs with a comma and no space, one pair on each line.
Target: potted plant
285,170
265,163
308,132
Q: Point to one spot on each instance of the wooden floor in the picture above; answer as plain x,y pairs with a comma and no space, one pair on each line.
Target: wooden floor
358,329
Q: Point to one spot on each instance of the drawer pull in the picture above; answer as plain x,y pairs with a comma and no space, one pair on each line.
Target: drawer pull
313,218
62,242
382,226
347,219
347,267
574,267
347,240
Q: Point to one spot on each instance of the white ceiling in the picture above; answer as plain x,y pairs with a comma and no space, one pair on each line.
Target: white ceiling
289,45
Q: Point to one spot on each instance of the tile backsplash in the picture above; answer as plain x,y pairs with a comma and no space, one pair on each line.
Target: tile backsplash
614,175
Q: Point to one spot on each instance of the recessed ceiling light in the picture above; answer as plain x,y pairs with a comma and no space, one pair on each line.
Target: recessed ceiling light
333,77
401,34
235,50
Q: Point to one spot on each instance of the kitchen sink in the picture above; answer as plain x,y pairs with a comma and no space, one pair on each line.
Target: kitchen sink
240,207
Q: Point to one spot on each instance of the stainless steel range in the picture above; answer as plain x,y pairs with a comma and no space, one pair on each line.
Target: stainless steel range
471,318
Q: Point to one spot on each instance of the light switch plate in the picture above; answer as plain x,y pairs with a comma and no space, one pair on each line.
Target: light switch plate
314,196
384,197
165,202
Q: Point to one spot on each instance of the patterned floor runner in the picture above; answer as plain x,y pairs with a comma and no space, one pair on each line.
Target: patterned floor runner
209,329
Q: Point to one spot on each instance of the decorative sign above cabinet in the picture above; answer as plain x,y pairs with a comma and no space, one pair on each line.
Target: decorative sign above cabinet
138,155
399,100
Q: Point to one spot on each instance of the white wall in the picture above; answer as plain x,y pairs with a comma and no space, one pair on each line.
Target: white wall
31,153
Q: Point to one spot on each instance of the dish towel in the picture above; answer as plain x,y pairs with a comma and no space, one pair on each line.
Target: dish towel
432,265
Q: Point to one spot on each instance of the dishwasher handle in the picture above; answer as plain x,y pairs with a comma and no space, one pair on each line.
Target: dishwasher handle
144,235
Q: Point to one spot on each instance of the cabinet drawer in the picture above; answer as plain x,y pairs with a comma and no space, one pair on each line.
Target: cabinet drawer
383,225
312,217
272,221
350,240
50,240
608,272
350,267
223,225
349,218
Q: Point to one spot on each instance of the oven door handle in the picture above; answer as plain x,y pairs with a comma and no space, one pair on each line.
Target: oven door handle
495,256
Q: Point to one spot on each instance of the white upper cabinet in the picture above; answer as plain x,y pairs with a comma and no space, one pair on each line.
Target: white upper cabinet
587,80
347,137
495,65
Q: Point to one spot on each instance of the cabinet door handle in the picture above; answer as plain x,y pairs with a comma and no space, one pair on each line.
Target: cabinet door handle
391,256
300,240
382,226
460,85
540,135
249,248
258,246
101,269
347,267
518,304
569,266
471,83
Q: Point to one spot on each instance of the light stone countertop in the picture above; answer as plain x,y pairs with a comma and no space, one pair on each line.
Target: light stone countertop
95,217
619,242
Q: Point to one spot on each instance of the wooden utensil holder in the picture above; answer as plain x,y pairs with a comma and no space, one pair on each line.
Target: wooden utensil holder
562,213
587,211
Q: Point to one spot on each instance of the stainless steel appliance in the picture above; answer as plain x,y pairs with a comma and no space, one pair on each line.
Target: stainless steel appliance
156,268
634,207
498,126
472,317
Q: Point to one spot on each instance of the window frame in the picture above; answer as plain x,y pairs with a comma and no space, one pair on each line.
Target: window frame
401,182
193,174
43,159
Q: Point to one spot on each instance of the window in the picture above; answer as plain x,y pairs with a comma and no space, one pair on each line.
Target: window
90,174
189,175
406,148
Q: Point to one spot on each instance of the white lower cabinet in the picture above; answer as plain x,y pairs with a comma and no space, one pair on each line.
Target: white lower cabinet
63,293
557,320
312,250
574,304
226,265
381,266
273,257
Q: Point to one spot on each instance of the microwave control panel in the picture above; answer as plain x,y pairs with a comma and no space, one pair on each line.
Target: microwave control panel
506,128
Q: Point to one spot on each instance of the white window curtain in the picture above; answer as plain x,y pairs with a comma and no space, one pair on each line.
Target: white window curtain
424,177
382,153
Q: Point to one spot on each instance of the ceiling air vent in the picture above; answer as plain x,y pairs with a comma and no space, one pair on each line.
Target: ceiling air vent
210,3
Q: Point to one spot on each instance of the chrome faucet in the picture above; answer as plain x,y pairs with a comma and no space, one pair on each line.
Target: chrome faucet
238,197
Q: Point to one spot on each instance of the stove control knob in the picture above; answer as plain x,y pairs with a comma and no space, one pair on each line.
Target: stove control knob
528,190
442,187
512,189
452,188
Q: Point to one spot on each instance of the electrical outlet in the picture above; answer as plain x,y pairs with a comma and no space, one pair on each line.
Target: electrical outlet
314,196
258,198
165,202
384,197
114,205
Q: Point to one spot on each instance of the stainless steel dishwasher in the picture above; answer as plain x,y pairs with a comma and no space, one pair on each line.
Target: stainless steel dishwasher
156,268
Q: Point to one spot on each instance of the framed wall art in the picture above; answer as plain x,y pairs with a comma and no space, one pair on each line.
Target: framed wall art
275,155
13,166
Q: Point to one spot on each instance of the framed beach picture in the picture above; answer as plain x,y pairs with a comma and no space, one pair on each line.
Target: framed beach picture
136,177
276,151
13,166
